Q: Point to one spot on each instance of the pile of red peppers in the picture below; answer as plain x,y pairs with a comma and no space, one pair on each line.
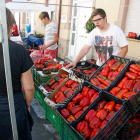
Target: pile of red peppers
108,74
129,85
79,103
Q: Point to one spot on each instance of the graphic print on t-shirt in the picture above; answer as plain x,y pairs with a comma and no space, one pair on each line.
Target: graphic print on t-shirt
104,47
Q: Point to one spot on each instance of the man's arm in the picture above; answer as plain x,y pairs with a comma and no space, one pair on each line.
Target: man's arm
28,84
81,54
123,51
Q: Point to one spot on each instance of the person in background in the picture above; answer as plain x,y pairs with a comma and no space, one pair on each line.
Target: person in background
108,40
15,30
51,37
21,64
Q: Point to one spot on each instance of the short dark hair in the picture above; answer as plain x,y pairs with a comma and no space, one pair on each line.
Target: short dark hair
43,15
100,12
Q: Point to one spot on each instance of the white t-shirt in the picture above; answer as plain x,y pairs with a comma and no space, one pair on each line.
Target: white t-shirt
50,29
108,43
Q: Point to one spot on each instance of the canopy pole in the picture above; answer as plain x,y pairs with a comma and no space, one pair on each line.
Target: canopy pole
4,41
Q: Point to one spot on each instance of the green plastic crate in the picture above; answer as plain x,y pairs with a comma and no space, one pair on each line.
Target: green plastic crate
38,96
54,118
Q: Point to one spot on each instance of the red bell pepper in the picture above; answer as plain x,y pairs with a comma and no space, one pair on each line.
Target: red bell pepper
94,133
103,124
95,122
130,35
117,107
95,96
85,108
63,89
111,62
102,86
121,67
102,114
121,92
106,82
70,105
70,92
76,116
84,102
110,115
64,75
101,105
97,81
128,95
135,66
90,93
136,87
125,84
139,73
66,91
110,75
115,90
131,75
114,75
55,85
48,89
70,118
78,98
51,82
61,80
91,114
138,79
94,82
86,132
53,100
57,95
109,106
80,126
105,71
76,109
65,113
129,84
120,85
85,90
101,78
69,83
133,70
74,85
115,66
61,98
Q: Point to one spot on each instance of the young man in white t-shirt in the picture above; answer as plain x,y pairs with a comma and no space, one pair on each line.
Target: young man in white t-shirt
108,40
51,37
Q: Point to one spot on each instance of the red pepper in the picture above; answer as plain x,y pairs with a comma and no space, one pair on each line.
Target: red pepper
115,74
77,71
132,83
95,96
103,124
61,80
51,82
84,102
70,105
120,85
63,89
128,95
94,133
69,83
138,79
64,75
105,71
115,90
86,132
136,87
115,66
91,114
85,108
133,70
90,93
94,82
55,85
121,67
111,62
80,126
101,105
85,90
110,115
66,91
106,82
135,66
134,35
109,106
117,107
102,86
139,73
101,78
74,85
130,35
102,114
78,98
49,64
65,113
76,116
121,92
53,100
95,122
110,74
97,81
70,92
87,71
76,109
70,118
57,95
48,89
131,75
61,98
125,84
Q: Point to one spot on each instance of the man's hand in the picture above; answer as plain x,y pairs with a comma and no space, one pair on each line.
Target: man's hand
71,65
42,48
29,109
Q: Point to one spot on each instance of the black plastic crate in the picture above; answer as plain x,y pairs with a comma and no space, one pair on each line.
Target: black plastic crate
83,64
86,83
120,59
114,125
82,74
134,101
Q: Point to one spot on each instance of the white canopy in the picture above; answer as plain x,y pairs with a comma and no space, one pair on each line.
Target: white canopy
27,7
